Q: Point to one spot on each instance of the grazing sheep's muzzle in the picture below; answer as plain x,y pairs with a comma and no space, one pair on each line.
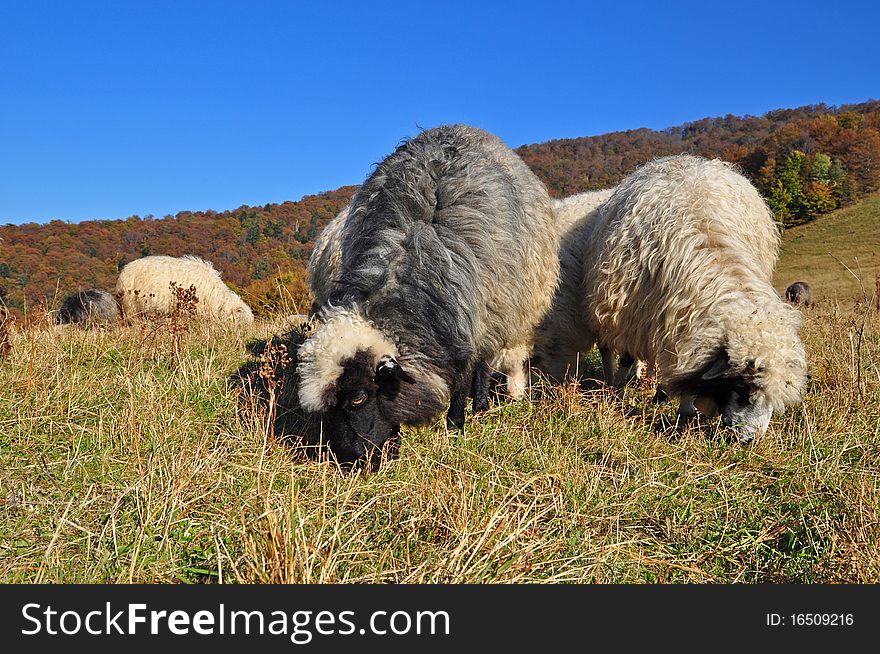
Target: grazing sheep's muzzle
748,424
359,443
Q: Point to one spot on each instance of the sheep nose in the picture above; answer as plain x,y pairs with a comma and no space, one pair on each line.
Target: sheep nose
745,433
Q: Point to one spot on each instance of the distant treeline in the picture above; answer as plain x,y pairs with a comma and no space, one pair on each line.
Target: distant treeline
805,162
260,251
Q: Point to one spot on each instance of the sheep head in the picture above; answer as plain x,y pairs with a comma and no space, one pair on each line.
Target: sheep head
349,373
735,394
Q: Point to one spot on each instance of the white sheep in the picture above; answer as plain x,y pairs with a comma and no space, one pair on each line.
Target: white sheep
145,287
677,271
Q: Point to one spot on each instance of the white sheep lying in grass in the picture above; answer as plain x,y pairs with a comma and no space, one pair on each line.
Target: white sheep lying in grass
677,267
145,287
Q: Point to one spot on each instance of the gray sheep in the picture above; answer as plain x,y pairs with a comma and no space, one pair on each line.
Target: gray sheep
88,308
448,258
800,293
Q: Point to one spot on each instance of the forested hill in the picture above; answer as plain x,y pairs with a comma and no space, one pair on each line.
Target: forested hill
261,251
805,161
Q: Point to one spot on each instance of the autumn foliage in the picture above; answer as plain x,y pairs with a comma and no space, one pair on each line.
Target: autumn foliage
261,252
805,162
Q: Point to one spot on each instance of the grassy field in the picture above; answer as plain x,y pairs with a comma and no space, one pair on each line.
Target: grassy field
838,254
130,456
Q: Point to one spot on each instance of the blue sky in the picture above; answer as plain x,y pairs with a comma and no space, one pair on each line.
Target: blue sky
109,109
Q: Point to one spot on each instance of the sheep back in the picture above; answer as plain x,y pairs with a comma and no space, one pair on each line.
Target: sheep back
144,288
88,308
325,260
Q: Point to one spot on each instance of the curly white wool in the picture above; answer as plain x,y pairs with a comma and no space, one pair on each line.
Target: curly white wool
678,267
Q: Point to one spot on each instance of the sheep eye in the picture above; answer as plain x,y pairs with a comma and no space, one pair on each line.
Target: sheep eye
359,400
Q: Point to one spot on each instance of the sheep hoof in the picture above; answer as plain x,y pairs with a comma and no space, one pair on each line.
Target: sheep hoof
455,423
481,404
480,387
455,415
660,397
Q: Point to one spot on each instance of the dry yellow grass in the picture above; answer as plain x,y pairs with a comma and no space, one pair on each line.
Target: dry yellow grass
128,456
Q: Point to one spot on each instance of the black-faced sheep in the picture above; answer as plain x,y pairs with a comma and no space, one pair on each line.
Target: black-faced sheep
324,267
88,308
145,287
678,272
800,293
448,258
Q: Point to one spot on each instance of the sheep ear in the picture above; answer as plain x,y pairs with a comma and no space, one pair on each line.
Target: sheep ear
388,368
718,367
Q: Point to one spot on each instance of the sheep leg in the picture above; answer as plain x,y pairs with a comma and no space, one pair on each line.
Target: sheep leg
687,411
661,397
455,415
627,370
608,364
480,387
630,370
516,381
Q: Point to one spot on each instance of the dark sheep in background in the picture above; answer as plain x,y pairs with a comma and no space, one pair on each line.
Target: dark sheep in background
88,308
799,293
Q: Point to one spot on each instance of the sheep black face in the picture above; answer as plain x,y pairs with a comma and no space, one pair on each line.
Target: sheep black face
717,388
360,418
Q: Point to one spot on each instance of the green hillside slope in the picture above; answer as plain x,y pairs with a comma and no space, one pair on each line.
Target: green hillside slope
838,254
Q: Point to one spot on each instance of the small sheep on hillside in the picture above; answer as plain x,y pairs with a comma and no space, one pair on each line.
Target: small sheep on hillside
145,287
448,258
88,308
677,271
800,293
